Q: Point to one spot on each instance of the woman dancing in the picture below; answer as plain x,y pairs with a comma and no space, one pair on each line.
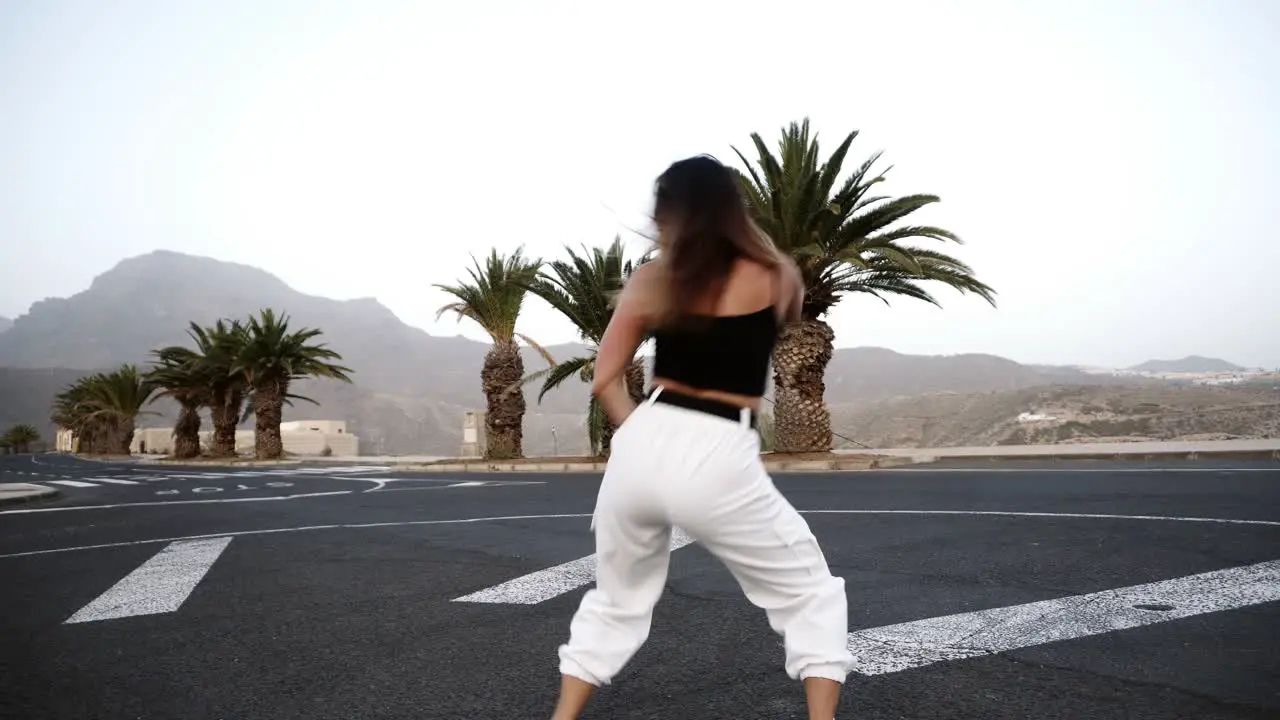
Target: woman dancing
714,300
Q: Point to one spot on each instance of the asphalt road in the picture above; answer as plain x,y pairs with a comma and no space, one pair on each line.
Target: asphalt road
338,595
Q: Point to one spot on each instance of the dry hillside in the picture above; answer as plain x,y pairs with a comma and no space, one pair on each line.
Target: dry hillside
1074,414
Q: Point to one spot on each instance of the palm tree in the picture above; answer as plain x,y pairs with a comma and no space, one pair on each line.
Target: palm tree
584,289
493,299
218,348
102,409
20,437
181,374
271,357
842,241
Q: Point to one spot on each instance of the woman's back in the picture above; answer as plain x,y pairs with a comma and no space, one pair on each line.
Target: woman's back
724,346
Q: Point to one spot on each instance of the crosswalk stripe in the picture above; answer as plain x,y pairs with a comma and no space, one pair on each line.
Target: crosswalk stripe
114,481
894,648
159,585
545,584
73,483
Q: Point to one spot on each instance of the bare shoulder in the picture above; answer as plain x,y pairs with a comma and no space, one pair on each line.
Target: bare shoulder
644,272
638,292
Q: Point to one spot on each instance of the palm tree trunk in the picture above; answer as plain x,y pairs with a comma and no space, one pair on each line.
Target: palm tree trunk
268,410
225,413
115,437
635,380
186,432
126,436
635,389
802,421
504,421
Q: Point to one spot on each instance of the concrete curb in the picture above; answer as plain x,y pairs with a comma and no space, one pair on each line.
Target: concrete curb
1272,455
16,493
222,463
773,466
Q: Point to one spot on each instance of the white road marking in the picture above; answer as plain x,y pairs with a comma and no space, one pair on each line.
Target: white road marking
73,483
159,585
305,528
894,648
1080,516
114,481
72,508
545,584
554,516
984,471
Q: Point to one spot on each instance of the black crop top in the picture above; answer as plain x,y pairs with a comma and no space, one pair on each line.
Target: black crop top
729,353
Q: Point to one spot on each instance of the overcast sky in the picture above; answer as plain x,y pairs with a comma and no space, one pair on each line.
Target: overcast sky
1109,164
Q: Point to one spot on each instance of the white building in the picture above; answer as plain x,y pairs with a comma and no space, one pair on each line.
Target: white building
300,437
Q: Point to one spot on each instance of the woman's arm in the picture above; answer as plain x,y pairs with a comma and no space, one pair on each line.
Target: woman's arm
618,346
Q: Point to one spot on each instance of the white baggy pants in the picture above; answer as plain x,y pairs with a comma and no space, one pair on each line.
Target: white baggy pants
674,466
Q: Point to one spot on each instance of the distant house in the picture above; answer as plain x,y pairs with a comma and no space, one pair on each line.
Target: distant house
300,437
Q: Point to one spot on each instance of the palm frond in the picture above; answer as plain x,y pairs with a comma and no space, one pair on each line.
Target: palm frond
843,238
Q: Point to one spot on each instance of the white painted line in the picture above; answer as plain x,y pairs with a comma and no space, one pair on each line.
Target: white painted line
114,481
894,648
1076,516
553,516
73,483
1111,471
72,508
159,585
305,528
543,585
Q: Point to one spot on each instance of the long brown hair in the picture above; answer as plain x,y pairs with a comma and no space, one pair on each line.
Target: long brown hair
703,228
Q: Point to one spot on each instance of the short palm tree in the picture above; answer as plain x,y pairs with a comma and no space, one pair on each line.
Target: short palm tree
102,409
180,373
20,437
841,237
584,289
271,357
493,299
218,348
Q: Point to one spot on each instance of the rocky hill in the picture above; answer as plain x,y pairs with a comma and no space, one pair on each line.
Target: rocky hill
1189,364
1057,414
5,323
411,388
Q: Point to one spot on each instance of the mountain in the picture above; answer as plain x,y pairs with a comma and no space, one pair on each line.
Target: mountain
411,388
1057,414
1189,364
868,373
5,323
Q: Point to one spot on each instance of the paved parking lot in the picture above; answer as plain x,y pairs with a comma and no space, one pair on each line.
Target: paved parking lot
1082,590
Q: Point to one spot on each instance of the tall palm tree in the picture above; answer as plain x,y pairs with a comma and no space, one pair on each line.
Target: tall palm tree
840,236
271,357
181,374
218,347
493,299
102,409
20,437
584,289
